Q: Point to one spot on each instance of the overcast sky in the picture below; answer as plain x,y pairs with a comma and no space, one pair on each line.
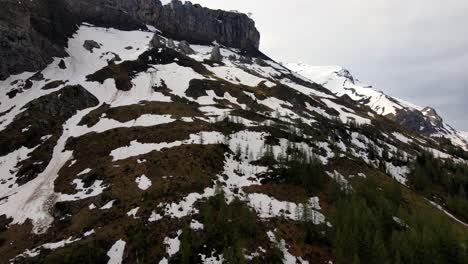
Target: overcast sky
416,50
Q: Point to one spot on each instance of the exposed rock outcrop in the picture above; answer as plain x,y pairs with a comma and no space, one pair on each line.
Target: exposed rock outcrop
415,120
31,33
185,48
216,54
156,41
38,30
90,45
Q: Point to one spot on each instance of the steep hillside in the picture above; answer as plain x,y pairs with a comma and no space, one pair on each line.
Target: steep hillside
140,147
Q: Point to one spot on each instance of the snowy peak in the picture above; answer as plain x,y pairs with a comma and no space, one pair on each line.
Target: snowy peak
342,83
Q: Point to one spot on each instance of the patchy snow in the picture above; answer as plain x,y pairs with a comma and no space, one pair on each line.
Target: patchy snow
268,207
34,199
8,169
82,193
195,225
143,182
176,77
136,148
89,233
346,114
133,212
398,173
185,206
115,253
50,246
236,75
402,137
173,244
108,205
85,171
288,258
447,213
143,121
154,217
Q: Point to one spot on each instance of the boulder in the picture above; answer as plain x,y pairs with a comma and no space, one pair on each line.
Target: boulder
156,41
216,54
185,48
90,45
170,44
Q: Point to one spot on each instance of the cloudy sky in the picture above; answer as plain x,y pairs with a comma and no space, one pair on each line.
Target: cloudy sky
416,50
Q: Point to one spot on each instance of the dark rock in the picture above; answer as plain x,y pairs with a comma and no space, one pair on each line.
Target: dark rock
4,222
261,62
245,60
170,44
431,114
53,85
32,32
90,45
156,41
185,48
216,54
414,120
62,64
37,77
12,94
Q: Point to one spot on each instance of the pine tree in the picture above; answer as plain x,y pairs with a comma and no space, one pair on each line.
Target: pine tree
185,245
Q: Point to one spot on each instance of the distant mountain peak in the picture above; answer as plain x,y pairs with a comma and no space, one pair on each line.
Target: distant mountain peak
341,82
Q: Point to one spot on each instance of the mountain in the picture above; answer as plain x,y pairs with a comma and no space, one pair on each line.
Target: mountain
340,82
148,131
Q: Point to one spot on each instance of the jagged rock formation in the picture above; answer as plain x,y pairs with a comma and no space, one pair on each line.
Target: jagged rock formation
38,29
216,54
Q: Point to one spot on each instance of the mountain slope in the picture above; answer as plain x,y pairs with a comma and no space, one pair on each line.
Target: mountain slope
421,119
136,148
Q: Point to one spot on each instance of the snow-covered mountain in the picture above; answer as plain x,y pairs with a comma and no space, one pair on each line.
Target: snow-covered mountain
342,83
154,133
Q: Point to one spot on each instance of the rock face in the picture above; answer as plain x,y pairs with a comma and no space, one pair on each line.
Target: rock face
31,33
39,29
415,121
90,45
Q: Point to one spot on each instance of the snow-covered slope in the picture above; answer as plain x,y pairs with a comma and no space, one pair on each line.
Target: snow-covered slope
464,134
340,82
139,131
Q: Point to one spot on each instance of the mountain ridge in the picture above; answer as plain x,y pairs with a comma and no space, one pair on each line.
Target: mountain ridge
136,147
340,82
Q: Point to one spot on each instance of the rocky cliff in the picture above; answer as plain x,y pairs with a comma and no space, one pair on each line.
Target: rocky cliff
32,32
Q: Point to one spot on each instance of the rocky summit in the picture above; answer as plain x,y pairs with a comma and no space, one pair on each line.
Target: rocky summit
156,132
